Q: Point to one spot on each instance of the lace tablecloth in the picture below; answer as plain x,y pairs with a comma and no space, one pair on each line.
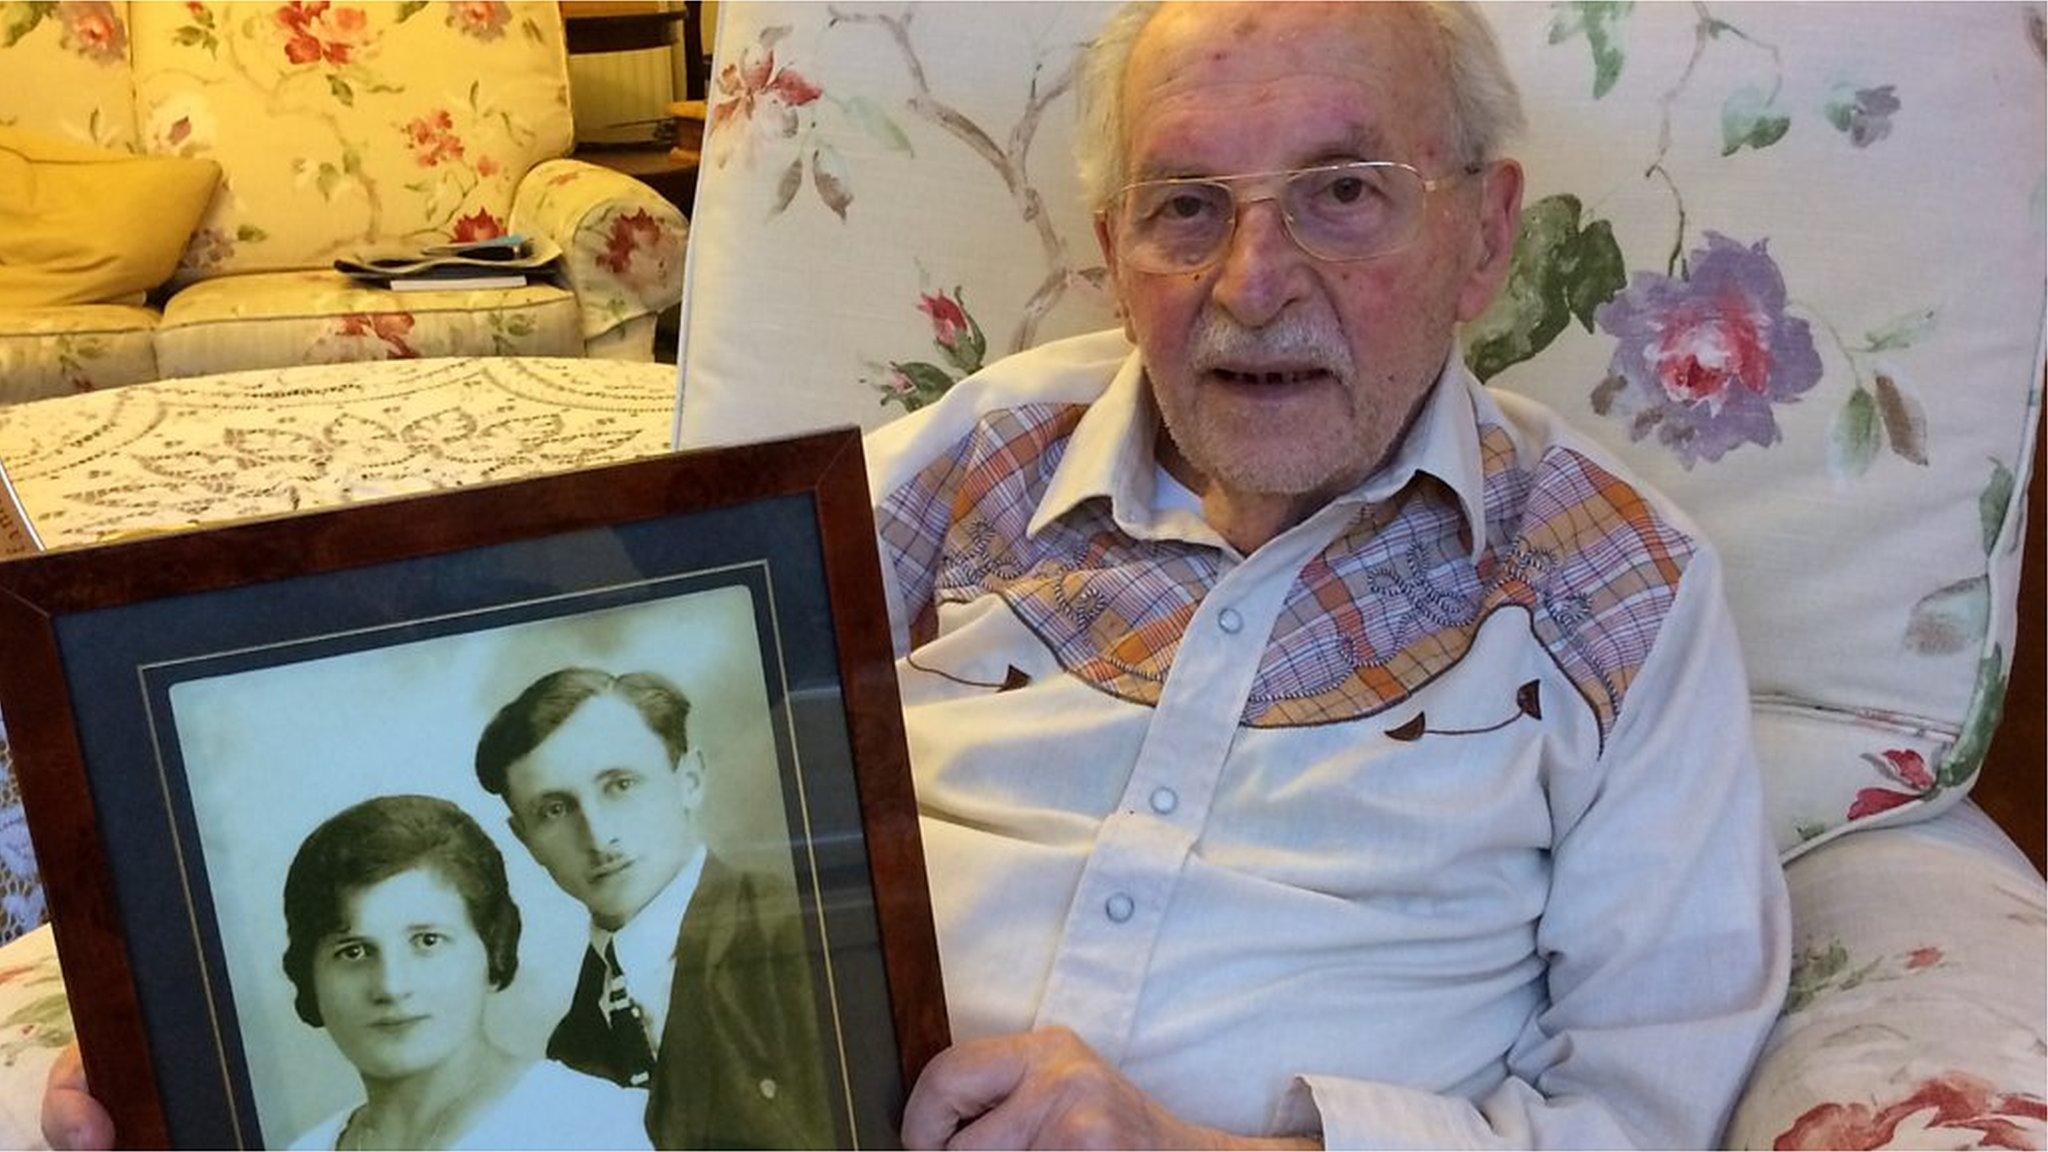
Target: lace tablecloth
178,453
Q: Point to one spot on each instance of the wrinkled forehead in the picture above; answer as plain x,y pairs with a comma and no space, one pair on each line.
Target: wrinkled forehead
1364,72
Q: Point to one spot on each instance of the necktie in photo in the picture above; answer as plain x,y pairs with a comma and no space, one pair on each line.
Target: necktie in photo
630,1052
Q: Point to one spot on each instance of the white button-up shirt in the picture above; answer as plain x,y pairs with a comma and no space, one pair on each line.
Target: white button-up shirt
1433,820
646,947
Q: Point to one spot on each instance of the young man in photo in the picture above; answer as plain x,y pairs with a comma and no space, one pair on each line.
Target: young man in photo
695,984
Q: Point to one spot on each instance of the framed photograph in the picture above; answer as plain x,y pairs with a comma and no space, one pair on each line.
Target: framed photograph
572,811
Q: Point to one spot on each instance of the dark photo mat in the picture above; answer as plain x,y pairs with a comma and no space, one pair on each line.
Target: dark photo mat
106,635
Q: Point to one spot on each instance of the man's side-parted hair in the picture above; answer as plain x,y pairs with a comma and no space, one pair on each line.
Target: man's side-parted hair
1486,107
519,727
374,841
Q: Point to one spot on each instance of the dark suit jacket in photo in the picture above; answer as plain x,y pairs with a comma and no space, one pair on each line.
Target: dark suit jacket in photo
740,1064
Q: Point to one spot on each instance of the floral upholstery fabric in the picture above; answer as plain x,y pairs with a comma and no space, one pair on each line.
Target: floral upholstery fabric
347,127
622,256
1908,1031
57,351
278,319
1721,275
343,128
67,71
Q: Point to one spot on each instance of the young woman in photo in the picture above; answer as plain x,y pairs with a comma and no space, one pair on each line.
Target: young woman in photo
399,928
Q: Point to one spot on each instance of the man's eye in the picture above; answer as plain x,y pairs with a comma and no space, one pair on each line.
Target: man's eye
350,952
621,784
1346,190
551,810
1185,207
427,941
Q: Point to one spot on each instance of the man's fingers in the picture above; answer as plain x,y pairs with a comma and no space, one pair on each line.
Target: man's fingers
71,1117
959,1085
1013,1123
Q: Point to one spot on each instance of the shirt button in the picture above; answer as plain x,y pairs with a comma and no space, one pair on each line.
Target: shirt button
1164,800
1229,621
768,1089
1118,908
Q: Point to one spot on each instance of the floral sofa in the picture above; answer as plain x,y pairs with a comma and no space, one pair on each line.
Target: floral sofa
1781,259
338,128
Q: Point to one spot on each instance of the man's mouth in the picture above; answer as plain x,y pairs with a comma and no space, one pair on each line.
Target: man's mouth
1269,377
609,869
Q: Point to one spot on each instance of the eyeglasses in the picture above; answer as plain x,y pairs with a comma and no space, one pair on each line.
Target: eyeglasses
1350,211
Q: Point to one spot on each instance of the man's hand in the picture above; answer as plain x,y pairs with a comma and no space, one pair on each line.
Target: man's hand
1046,1089
71,1117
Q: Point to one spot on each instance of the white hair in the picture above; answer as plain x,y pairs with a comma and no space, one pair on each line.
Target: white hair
1486,107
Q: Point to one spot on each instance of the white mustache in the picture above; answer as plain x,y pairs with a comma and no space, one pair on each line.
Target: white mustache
1293,339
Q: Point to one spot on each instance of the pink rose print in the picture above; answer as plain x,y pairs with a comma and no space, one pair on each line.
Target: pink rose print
479,226
1920,958
433,138
389,327
208,248
1702,358
949,320
1903,765
486,167
316,30
483,19
93,30
752,87
961,344
1955,1103
640,250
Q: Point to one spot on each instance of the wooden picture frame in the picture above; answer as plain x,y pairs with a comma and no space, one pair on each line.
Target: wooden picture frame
182,708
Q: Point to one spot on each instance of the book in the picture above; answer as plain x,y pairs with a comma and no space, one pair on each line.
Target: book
455,283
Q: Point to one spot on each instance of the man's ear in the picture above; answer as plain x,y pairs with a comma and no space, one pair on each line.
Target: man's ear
1500,217
1105,239
690,771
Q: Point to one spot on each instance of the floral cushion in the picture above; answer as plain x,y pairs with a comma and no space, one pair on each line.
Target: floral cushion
622,250
1773,255
348,126
1919,991
67,71
58,351
278,319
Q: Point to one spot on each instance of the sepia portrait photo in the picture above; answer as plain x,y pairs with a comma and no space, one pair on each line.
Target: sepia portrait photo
519,884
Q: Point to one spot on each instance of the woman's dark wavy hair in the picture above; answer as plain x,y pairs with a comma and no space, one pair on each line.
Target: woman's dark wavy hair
374,841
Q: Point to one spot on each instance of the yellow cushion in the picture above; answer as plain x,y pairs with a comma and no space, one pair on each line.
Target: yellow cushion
79,225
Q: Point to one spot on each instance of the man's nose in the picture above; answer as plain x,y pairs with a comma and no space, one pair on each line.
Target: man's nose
600,828
1263,270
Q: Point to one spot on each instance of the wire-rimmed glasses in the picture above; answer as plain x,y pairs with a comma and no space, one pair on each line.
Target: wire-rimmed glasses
1350,211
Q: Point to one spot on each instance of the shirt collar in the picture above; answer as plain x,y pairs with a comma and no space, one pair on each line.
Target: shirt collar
647,942
1110,455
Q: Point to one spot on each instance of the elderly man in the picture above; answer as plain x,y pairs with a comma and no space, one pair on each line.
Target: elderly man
1313,746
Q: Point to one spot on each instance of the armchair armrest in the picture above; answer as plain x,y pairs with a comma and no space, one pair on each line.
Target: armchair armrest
622,245
1915,1013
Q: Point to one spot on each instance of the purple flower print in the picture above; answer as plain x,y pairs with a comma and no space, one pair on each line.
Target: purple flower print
1702,357
1864,114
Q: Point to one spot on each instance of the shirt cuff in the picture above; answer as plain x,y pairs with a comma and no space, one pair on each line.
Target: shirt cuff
1371,1114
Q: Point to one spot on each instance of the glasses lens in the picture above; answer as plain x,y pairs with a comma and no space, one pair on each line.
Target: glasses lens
1350,211
1176,225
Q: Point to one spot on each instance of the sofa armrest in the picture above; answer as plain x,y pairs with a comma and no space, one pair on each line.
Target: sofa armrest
622,245
1915,1013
